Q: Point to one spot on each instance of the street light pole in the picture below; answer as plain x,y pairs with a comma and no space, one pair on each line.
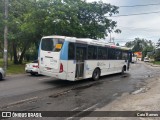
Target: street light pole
5,54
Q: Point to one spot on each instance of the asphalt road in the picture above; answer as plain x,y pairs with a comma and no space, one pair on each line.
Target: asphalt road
41,93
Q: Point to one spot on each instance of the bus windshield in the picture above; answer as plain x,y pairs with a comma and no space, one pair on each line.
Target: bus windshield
52,44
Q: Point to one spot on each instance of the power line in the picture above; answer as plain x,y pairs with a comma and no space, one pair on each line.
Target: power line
141,5
135,14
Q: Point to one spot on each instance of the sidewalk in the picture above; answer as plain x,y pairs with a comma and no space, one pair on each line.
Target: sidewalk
151,64
145,99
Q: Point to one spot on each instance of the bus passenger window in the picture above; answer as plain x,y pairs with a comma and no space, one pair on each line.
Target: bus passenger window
118,55
47,44
124,55
71,51
92,52
111,54
102,53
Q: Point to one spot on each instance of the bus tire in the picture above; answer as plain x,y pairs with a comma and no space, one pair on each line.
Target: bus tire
33,74
123,69
1,76
96,74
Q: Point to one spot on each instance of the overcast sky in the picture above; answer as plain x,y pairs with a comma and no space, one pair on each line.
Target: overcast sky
145,26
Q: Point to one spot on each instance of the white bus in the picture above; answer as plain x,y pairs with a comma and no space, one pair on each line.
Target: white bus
70,58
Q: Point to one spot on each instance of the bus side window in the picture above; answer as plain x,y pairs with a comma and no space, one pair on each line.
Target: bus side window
102,53
124,55
118,54
71,51
111,54
92,52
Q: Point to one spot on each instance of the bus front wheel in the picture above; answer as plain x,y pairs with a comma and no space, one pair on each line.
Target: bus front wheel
96,74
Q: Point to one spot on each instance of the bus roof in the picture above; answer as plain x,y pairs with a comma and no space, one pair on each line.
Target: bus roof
88,41
57,36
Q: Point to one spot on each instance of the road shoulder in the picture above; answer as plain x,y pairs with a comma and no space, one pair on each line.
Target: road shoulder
144,99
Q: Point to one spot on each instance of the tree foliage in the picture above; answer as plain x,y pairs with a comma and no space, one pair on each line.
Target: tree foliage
1,24
158,43
141,45
157,51
29,20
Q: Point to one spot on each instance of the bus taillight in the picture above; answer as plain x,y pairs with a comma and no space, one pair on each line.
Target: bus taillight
61,68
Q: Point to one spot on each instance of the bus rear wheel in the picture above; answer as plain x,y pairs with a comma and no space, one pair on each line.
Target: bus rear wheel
1,76
123,69
96,74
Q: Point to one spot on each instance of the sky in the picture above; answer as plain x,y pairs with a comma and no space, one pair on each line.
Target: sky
145,26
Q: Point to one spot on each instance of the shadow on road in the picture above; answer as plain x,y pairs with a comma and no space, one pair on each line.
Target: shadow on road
65,83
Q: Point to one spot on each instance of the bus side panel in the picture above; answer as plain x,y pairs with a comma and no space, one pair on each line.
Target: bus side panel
63,75
71,70
106,66
91,65
118,65
88,68
68,65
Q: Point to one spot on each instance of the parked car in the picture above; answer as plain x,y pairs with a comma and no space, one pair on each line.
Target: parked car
2,73
32,68
146,59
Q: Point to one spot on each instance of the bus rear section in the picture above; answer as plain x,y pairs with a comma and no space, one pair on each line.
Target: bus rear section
49,57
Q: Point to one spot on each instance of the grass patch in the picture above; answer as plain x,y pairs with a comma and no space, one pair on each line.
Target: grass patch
156,62
12,68
16,69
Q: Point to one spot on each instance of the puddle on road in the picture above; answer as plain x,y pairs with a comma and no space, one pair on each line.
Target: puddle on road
115,94
123,76
148,76
141,90
86,86
60,94
75,88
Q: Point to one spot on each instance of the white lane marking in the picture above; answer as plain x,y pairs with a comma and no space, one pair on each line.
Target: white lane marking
77,108
90,107
138,91
21,101
93,106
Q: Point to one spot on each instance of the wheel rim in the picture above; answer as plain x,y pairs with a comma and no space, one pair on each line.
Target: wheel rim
96,74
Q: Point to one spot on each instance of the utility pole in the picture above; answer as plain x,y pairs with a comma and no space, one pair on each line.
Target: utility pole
5,54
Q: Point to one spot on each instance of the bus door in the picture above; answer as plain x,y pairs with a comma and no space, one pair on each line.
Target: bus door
129,56
80,61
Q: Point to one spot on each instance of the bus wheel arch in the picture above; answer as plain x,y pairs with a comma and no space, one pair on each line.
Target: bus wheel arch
124,68
96,73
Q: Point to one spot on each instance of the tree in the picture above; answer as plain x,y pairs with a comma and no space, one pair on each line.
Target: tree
21,34
79,18
5,54
158,43
117,44
157,51
141,45
1,25
29,20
